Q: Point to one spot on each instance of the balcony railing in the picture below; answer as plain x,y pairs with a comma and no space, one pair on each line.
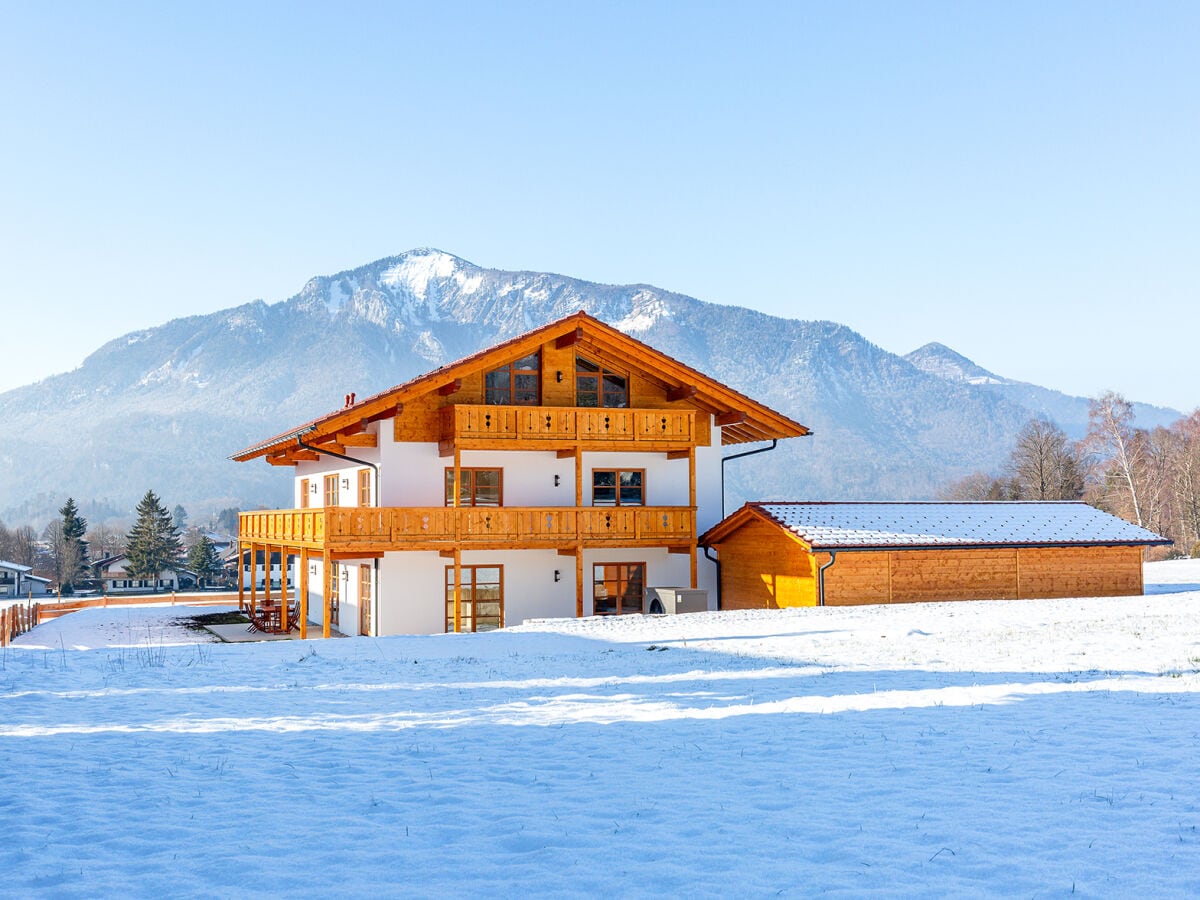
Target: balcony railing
469,427
373,529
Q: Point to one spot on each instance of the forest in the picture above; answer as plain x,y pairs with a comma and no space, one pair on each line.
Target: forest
1147,476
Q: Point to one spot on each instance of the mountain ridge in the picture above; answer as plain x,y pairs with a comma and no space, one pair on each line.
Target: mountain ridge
163,407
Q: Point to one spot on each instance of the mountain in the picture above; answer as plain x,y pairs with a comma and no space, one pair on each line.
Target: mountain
163,408
1069,413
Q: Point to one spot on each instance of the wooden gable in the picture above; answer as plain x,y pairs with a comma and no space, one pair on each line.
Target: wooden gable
656,381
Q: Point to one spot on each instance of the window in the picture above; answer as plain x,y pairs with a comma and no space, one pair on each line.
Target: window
332,594
618,487
518,383
482,598
364,600
304,493
596,386
477,487
364,487
617,588
331,490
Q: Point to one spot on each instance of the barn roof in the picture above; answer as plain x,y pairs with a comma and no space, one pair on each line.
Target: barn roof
868,526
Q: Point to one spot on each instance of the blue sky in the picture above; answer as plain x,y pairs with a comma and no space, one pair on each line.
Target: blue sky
1017,180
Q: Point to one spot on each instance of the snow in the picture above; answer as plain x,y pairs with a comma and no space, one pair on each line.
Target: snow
1030,748
648,308
417,269
953,524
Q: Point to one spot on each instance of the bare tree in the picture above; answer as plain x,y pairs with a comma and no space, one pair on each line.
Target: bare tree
1118,454
979,486
24,546
1045,464
106,540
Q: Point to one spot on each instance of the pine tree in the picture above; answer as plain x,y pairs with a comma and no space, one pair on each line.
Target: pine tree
70,550
153,541
203,560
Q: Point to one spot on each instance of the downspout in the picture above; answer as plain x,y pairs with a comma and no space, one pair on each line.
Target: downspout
821,577
716,562
725,459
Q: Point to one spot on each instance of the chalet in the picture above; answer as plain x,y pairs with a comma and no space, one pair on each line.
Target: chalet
805,554
113,576
558,473
17,580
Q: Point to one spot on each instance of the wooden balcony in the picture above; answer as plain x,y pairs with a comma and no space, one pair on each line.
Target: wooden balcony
344,531
467,427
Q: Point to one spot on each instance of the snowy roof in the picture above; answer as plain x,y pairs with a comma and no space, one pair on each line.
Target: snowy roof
833,526
14,567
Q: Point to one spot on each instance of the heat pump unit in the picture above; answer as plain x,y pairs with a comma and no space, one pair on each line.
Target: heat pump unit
668,601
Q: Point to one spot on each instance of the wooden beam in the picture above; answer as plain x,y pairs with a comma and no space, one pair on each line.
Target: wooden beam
452,387
566,551
283,594
458,585
446,554
241,576
733,417
280,461
331,446
568,340
389,413
679,454
683,392
358,440
567,454
579,583
682,549
327,578
303,593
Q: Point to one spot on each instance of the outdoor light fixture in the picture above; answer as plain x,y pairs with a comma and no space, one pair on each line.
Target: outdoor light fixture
312,568
558,377
557,575
346,483
312,488
556,481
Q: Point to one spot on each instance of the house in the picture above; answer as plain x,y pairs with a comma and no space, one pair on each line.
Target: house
17,580
805,554
259,575
113,577
558,473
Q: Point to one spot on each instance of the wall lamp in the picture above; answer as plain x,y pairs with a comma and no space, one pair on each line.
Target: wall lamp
346,483
558,377
557,575
312,487
556,481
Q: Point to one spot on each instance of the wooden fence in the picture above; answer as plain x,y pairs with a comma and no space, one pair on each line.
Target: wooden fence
17,619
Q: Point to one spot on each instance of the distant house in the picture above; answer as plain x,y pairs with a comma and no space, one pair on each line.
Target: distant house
113,576
805,554
17,580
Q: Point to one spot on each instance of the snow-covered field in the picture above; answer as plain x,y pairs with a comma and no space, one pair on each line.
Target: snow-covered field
1031,748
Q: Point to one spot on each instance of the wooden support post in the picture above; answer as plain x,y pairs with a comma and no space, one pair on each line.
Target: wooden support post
327,576
253,579
457,575
241,577
455,504
283,595
303,593
267,575
579,582
692,505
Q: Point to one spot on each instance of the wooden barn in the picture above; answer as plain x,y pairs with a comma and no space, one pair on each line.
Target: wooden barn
776,555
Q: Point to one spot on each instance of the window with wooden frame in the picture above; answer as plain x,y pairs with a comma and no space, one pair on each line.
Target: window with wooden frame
304,493
482,598
517,384
364,600
598,386
364,487
331,490
618,487
476,487
617,588
333,594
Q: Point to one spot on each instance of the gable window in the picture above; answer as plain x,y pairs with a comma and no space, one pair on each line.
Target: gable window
617,588
518,383
597,386
477,487
331,490
482,598
618,487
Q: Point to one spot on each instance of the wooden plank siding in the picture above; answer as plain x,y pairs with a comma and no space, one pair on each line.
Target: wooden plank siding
764,568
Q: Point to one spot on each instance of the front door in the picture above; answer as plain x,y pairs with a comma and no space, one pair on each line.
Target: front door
364,599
